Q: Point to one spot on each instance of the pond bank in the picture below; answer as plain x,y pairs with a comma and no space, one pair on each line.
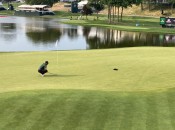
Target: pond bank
129,23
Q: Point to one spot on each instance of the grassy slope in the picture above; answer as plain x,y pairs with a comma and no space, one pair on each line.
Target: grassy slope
85,93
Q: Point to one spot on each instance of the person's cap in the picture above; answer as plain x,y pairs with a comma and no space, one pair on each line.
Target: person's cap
46,62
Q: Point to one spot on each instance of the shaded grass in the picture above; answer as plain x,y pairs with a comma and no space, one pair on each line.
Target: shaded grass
87,110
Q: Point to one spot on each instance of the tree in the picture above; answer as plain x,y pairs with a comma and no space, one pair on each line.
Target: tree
109,5
8,1
38,2
125,4
120,5
86,10
97,5
172,4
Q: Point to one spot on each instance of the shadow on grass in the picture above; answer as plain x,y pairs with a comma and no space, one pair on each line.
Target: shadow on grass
59,75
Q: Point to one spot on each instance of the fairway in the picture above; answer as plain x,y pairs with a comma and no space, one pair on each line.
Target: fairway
83,92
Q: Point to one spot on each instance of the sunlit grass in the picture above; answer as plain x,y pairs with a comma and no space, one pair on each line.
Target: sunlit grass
140,69
85,93
126,25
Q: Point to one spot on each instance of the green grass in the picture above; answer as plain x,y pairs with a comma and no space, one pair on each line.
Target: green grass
86,110
9,12
140,69
146,24
85,93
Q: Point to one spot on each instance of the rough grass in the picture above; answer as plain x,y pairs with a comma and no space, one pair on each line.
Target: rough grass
85,93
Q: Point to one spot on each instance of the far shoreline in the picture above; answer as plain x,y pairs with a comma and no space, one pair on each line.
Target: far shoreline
132,23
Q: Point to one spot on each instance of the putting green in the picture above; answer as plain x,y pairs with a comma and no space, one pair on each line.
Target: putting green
139,69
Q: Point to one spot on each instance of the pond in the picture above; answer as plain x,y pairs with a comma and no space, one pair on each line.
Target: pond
42,34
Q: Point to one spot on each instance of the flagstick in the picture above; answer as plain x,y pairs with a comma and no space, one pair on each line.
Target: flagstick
56,44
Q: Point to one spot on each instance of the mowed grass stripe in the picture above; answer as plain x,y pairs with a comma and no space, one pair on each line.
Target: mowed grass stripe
75,111
30,110
102,112
128,113
115,114
171,105
62,109
16,112
51,112
139,116
164,118
87,110
152,117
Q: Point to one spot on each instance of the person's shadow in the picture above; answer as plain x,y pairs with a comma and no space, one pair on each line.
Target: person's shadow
59,75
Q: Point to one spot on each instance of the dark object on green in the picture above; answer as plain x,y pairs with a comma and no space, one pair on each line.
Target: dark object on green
11,7
115,69
74,7
2,8
43,68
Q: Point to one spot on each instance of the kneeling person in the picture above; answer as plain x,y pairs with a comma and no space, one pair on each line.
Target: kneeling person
43,68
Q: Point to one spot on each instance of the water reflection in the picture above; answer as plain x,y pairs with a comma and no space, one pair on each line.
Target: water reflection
99,38
72,33
40,34
47,36
8,26
9,31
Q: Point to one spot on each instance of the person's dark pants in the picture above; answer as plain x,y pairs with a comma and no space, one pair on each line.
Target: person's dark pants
42,71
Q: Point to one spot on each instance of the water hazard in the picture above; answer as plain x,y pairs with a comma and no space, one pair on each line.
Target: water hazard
41,34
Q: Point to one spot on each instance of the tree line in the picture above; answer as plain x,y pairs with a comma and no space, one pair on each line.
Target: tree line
115,7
